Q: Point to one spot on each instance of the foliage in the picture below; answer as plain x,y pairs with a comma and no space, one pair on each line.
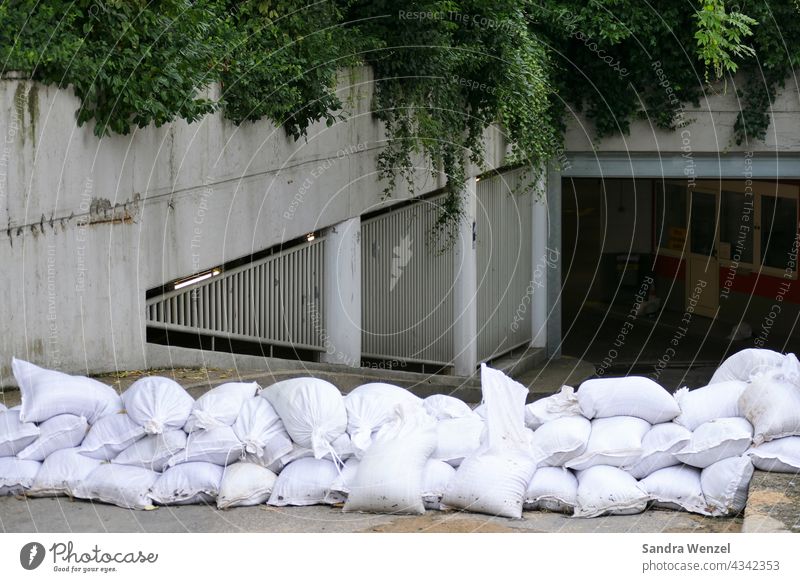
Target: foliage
445,70
719,37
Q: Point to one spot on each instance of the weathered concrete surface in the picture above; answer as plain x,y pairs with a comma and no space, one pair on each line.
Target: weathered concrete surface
773,504
63,515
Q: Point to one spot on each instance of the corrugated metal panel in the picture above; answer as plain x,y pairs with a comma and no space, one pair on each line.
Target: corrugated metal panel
407,301
277,299
504,225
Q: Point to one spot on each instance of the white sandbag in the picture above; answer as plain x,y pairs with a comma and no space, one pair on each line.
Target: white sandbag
341,451
564,403
304,482
153,451
60,432
458,438
369,407
659,446
552,489
261,432
121,485
188,483
111,435
435,477
779,456
615,441
14,434
725,485
389,478
312,411
244,485
772,402
628,396
677,488
62,471
716,440
16,475
219,446
3,407
480,410
442,406
608,490
220,406
720,400
157,404
47,393
561,440
494,480
747,364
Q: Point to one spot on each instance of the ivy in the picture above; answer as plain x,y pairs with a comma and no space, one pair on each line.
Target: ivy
445,70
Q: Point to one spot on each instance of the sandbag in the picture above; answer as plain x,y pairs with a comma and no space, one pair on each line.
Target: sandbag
111,435
153,451
305,481
725,485
261,431
676,487
720,400
743,366
716,440
629,396
14,434
389,478
458,438
615,441
219,446
121,485
3,407
561,440
157,404
552,489
47,393
220,406
659,446
494,480
435,477
60,432
244,485
312,411
772,402
16,475
779,456
369,407
443,406
564,403
61,472
340,488
608,490
188,483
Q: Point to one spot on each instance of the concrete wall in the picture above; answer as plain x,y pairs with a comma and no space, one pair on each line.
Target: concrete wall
88,224
709,128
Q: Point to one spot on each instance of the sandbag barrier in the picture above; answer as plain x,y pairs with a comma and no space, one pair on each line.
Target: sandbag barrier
615,446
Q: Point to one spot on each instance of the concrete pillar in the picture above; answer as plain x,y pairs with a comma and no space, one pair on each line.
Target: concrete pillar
342,294
465,287
554,255
541,265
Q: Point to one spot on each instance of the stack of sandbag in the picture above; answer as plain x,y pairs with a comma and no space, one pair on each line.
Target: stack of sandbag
495,478
51,422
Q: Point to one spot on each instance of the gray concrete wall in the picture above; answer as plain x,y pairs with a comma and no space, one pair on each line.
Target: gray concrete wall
709,128
88,224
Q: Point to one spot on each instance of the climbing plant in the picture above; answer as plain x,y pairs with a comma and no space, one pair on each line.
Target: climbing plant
445,70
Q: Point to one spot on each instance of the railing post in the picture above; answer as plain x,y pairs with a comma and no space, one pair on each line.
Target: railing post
554,254
342,294
465,286
540,273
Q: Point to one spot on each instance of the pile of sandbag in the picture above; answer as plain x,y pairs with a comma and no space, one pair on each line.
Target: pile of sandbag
614,446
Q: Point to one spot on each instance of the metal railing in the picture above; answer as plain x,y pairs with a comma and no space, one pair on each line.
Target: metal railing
275,300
